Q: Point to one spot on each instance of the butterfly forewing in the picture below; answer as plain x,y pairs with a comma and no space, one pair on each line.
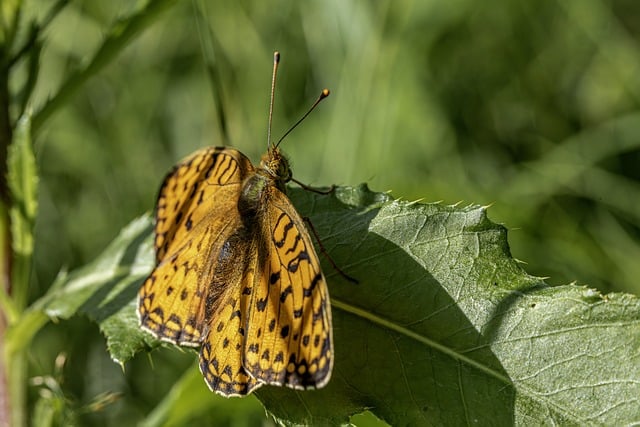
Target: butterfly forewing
193,193
289,338
192,208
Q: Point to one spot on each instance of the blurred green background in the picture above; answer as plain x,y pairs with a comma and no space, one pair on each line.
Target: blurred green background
530,107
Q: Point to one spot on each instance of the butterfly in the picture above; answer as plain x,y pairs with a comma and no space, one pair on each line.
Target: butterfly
237,274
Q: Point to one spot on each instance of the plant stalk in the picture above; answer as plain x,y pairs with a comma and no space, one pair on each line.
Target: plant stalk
10,412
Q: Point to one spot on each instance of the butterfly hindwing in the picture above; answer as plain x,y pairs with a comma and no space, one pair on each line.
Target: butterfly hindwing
222,349
232,271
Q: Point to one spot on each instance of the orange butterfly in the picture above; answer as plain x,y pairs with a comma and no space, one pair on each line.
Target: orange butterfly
237,274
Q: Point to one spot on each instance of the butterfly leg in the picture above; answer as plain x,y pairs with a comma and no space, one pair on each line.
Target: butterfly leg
312,189
326,254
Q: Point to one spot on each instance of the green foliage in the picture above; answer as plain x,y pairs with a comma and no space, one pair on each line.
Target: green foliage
531,107
104,290
444,327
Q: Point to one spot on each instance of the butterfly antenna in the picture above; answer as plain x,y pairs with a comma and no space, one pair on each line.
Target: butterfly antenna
276,60
323,95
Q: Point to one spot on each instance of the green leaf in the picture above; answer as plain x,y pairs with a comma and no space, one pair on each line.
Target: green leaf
106,290
444,327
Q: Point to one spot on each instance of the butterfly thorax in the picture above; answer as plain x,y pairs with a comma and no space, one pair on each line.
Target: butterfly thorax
273,171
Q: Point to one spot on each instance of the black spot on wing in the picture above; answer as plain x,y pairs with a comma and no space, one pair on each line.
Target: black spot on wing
284,332
284,294
316,279
295,263
274,278
288,226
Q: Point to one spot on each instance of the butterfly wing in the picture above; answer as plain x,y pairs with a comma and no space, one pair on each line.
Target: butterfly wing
248,290
222,350
194,207
289,335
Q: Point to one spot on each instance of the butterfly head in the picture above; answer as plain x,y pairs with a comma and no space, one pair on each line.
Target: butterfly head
277,167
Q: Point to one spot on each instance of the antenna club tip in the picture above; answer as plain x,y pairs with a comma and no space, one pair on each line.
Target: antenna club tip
325,93
276,56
